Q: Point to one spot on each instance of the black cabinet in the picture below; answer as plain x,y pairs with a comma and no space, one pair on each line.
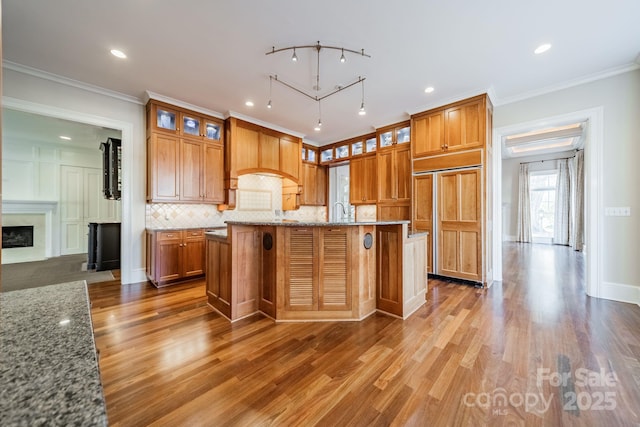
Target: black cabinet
104,246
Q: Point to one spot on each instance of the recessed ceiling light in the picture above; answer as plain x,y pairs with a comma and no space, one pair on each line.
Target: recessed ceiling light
542,48
249,103
429,89
118,53
64,322
66,138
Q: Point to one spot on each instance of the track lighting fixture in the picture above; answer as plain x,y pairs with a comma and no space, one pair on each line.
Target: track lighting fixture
315,95
362,111
319,125
270,87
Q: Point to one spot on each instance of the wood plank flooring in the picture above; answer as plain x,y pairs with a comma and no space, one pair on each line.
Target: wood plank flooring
533,350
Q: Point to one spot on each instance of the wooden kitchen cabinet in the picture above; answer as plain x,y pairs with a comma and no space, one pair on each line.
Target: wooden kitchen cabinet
460,224
241,271
183,165
427,134
253,148
314,185
455,127
174,256
363,172
451,146
394,175
318,269
394,183
163,168
423,211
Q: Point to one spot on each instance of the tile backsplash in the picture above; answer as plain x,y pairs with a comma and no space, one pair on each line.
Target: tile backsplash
259,199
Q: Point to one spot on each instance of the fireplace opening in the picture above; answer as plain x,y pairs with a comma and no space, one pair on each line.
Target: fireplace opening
17,237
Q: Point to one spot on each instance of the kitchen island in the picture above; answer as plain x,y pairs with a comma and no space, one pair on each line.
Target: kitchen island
293,271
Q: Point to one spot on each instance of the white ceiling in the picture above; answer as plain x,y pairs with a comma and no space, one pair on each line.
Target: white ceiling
212,53
19,126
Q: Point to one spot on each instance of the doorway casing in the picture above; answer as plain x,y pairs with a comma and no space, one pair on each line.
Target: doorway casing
593,145
126,242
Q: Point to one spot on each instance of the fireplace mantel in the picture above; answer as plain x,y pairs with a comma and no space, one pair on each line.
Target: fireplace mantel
29,206
48,208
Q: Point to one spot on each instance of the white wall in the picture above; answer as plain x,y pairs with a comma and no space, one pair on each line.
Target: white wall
510,171
39,94
619,97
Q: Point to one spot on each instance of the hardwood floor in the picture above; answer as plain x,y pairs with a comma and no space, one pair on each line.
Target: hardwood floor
468,357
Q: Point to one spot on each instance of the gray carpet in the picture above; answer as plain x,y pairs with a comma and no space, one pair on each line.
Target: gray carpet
68,268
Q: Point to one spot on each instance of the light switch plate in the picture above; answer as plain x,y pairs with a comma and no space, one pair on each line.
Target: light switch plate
617,211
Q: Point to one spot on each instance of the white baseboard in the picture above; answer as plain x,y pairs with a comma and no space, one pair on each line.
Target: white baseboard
620,292
507,238
135,276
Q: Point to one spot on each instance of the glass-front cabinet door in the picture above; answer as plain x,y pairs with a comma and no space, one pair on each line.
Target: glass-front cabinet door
371,145
311,156
342,152
212,130
356,148
326,155
386,139
190,125
403,135
166,119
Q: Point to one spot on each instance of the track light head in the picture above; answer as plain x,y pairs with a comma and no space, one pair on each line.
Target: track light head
294,58
343,59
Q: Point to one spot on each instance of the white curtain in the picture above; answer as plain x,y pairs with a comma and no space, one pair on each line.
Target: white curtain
576,238
524,211
563,202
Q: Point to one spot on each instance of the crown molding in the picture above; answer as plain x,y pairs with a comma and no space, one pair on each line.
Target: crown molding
45,75
570,83
168,100
461,96
264,124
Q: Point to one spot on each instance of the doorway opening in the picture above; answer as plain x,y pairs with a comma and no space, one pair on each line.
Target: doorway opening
593,152
339,207
542,195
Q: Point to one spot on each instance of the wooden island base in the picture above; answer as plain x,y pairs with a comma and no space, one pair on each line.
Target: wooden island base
316,271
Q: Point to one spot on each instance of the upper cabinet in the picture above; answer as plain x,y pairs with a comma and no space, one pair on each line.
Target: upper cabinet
253,148
185,155
397,134
455,127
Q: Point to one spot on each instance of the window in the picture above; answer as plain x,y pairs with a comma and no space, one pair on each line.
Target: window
542,191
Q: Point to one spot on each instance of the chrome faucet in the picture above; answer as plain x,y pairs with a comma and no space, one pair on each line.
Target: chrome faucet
344,210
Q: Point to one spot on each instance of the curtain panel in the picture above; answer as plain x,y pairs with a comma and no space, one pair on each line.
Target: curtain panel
524,211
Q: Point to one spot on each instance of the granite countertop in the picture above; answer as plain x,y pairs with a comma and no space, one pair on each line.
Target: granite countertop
294,223
48,365
214,227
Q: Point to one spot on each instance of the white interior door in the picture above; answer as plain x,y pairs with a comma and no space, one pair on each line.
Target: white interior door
82,202
72,229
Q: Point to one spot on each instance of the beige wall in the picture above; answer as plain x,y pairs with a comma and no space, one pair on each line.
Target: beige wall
619,96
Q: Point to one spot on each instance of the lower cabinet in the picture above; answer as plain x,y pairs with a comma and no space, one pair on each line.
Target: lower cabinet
401,271
219,275
174,256
318,269
315,272
249,286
